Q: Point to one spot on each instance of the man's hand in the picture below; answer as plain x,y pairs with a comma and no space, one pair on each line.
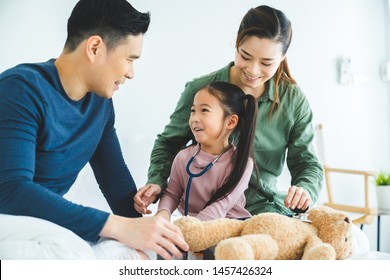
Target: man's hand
146,196
147,233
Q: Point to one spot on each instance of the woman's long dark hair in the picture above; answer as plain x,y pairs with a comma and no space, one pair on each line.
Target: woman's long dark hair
265,22
235,101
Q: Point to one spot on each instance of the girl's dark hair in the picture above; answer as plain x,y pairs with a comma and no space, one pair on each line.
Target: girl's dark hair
235,101
113,20
265,22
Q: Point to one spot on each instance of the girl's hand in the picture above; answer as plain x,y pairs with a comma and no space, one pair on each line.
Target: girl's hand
164,214
297,197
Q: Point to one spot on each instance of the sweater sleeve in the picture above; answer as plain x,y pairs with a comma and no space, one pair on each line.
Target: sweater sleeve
306,171
112,174
174,138
220,208
21,111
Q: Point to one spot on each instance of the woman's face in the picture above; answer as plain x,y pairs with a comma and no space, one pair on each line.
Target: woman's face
256,61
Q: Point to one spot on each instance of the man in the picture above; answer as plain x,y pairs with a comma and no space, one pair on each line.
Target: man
57,116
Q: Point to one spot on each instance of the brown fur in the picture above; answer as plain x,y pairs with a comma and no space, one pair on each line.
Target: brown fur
273,236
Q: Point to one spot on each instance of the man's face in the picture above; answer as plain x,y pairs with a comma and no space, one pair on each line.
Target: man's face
114,66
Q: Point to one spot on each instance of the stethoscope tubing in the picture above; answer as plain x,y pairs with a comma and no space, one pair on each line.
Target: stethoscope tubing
193,175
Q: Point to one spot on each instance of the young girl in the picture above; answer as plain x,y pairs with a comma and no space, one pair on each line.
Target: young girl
208,179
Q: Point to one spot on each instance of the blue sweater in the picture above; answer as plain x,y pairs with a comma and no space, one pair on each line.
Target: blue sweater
46,139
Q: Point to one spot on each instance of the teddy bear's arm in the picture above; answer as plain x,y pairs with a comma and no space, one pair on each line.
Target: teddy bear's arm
316,249
247,247
202,235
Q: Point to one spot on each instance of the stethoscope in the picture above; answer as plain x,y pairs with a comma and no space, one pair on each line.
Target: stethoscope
194,175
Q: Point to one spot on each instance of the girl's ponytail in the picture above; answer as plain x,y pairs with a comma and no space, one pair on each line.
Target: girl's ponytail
244,106
247,129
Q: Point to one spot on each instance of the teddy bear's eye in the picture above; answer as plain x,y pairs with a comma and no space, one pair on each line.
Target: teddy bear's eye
346,239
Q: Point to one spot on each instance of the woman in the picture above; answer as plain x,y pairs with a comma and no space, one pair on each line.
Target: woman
284,122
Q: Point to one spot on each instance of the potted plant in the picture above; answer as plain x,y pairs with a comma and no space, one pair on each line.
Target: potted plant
382,180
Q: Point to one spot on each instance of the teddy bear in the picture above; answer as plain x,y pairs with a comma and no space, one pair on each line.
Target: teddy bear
327,235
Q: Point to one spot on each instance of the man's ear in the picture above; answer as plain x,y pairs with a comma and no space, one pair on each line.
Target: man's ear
94,47
233,120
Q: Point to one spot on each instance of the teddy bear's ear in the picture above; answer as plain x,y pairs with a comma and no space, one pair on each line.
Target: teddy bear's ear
323,214
317,214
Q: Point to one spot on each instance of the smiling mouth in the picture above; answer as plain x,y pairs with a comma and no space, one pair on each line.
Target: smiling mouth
197,129
251,78
117,84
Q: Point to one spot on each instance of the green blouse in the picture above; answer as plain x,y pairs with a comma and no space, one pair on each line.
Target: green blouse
287,136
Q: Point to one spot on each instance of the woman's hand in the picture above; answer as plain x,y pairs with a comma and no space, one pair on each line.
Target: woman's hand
297,197
146,196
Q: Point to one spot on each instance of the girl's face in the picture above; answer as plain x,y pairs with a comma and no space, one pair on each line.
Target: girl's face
256,61
208,124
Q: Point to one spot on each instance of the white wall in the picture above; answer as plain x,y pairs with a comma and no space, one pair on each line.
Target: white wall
190,38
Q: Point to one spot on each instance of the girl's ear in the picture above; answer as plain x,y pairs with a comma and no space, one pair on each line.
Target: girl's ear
233,120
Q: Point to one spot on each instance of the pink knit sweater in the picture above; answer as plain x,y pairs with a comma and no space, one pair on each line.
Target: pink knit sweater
203,187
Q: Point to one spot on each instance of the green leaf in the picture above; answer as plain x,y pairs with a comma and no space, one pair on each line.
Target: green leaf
382,178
